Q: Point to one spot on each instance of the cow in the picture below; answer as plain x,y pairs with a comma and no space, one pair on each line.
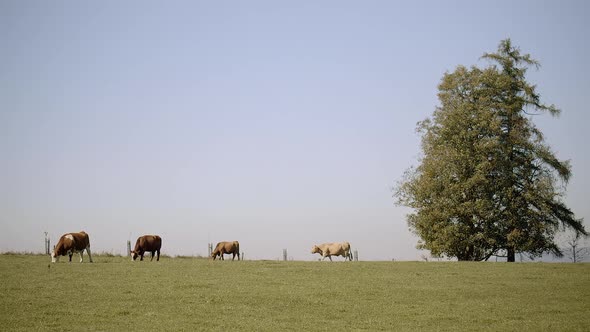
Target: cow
226,248
333,249
151,243
70,243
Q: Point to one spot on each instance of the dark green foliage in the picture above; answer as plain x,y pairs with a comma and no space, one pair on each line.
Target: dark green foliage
487,182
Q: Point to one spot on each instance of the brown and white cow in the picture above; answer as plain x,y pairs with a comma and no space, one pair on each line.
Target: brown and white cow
226,248
151,243
333,249
70,243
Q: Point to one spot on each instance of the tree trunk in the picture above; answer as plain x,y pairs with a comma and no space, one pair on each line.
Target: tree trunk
511,255
574,252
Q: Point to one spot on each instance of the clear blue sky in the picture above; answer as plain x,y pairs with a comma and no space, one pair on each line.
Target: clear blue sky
278,124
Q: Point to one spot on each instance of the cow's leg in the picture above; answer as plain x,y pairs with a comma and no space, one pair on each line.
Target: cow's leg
89,255
153,253
141,259
70,257
158,252
81,256
327,254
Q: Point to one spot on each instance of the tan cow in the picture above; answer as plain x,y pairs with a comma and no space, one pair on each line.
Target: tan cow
150,243
70,243
226,248
333,249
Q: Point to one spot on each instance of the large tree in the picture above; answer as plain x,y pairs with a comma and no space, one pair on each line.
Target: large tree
487,182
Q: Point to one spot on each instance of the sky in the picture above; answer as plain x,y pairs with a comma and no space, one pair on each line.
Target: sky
280,124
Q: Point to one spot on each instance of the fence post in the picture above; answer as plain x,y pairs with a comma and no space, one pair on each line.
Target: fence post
285,255
356,255
47,246
210,245
128,248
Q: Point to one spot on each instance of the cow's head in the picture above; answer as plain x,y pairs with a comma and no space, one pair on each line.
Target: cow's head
133,256
316,249
54,257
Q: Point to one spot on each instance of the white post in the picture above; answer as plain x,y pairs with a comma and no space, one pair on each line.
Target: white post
46,244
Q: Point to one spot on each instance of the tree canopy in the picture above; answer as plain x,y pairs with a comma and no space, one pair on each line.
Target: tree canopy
487,182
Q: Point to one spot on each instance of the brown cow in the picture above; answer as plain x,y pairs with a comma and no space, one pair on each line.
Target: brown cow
151,243
70,243
226,248
333,249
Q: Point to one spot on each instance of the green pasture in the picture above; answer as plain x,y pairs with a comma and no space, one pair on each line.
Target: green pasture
176,294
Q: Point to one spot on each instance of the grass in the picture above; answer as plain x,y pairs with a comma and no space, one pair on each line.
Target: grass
114,294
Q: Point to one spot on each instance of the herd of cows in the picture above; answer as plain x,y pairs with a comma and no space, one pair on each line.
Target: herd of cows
71,243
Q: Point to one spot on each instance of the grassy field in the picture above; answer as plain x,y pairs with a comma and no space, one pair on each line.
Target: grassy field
114,294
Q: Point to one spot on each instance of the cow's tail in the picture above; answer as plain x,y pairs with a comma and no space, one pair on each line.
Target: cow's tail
349,252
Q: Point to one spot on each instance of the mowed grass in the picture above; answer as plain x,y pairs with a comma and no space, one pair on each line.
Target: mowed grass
114,294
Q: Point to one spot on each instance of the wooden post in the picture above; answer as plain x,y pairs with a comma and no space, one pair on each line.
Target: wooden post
128,248
356,255
285,255
210,249
47,245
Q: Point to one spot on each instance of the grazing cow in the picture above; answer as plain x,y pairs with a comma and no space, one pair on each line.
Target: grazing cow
226,248
151,243
70,243
333,249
